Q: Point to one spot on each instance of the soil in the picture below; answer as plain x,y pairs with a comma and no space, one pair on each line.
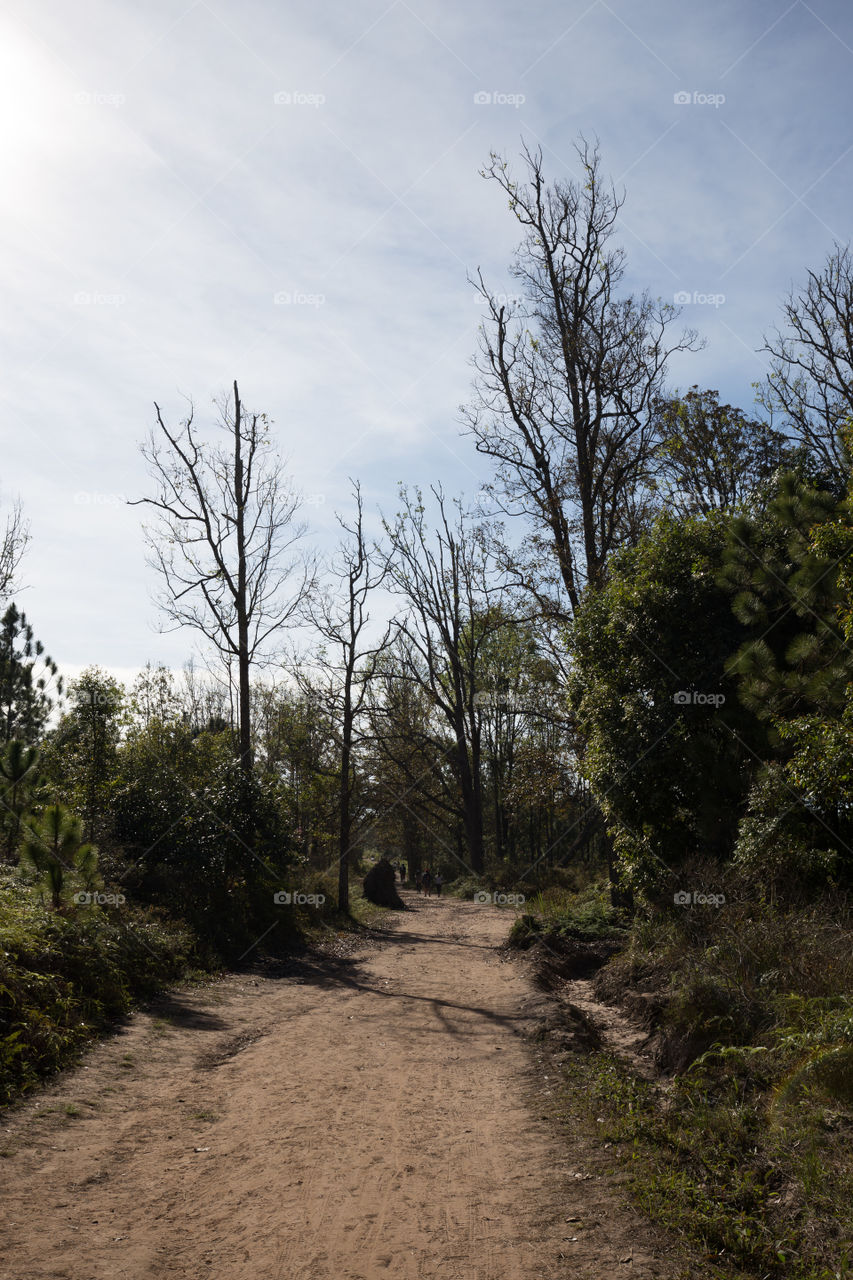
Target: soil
386,1115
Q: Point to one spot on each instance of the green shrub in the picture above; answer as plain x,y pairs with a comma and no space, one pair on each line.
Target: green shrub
586,915
744,1152
64,977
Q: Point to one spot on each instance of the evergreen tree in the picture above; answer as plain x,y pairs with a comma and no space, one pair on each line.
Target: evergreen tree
53,845
26,674
793,575
19,782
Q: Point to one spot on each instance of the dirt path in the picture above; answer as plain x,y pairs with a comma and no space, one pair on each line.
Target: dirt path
381,1118
619,1033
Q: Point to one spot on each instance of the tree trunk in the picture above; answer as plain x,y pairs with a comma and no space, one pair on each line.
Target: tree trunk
242,617
411,845
344,804
620,893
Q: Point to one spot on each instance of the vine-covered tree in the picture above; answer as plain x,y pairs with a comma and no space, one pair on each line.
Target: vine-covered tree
791,573
666,746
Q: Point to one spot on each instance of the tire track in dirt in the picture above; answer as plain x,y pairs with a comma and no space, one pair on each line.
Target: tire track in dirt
385,1118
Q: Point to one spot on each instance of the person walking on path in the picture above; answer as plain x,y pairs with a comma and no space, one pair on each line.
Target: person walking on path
439,881
427,879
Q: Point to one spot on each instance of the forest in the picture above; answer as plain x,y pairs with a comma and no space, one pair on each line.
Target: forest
617,684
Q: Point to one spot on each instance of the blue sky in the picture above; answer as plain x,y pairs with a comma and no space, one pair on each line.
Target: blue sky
288,194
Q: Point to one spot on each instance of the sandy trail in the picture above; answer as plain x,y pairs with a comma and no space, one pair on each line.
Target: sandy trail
384,1117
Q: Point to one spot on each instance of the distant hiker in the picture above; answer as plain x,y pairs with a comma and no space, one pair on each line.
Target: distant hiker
402,873
427,879
439,881
419,882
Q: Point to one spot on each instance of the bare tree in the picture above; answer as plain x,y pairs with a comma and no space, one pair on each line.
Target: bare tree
412,788
13,544
223,540
448,581
810,383
341,616
568,373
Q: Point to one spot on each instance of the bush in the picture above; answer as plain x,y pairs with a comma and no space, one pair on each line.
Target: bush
208,844
586,916
380,885
745,1152
65,977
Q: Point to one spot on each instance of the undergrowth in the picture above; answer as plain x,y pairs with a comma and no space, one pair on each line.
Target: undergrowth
64,977
744,1150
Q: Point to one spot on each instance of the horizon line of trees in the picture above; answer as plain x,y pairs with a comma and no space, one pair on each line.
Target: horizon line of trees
517,710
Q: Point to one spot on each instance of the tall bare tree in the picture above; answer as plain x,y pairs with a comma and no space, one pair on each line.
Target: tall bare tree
449,584
568,373
223,539
347,660
810,383
13,543
412,788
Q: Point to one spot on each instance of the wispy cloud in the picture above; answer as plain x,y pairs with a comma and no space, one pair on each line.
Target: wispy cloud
194,192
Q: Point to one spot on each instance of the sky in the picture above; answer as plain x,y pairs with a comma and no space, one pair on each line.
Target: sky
289,194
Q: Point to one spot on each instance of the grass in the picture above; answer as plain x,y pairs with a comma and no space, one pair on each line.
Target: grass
751,1199
586,915
744,1151
505,878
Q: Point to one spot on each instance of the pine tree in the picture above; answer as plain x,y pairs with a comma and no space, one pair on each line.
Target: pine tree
794,574
26,674
788,593
53,845
19,781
